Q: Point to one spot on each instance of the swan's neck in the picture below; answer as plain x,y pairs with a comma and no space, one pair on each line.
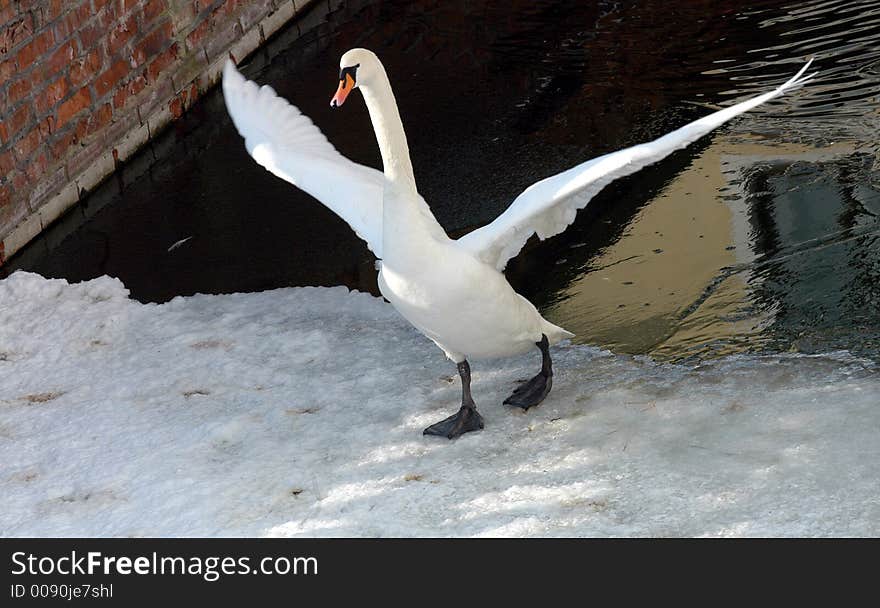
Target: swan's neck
389,132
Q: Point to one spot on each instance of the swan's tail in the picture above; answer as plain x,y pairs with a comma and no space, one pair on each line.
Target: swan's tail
555,333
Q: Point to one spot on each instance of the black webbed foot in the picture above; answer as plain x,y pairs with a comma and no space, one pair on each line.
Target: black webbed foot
467,419
531,393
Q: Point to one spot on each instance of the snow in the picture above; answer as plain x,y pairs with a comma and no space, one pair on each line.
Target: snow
298,412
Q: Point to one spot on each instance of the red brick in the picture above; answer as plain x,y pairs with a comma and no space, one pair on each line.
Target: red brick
7,13
19,89
41,43
59,146
84,69
132,88
59,60
73,106
56,8
19,180
5,196
7,69
153,9
165,59
51,95
121,34
72,22
176,106
22,116
27,144
151,44
7,163
108,80
96,31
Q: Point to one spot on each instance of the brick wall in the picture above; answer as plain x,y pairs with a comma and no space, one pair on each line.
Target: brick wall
85,83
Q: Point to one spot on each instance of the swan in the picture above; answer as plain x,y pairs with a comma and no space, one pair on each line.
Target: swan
453,291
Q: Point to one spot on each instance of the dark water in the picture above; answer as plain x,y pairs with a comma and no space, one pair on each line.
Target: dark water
760,237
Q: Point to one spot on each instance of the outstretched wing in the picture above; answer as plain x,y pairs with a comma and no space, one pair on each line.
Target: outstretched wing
548,207
286,142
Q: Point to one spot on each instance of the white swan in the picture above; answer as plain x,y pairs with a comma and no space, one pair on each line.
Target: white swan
453,291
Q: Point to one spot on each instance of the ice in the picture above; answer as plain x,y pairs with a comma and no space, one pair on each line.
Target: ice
300,411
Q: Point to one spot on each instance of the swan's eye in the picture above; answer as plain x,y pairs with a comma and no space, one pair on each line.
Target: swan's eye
349,71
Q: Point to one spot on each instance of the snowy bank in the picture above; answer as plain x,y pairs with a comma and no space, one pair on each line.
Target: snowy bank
299,412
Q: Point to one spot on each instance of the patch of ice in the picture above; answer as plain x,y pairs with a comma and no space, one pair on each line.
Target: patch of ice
299,412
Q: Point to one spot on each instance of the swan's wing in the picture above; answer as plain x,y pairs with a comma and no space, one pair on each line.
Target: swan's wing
286,142
548,207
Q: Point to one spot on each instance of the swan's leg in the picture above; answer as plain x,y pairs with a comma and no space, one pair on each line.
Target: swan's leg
466,419
533,392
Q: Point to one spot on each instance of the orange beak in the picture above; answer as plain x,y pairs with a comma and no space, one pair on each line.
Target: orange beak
346,86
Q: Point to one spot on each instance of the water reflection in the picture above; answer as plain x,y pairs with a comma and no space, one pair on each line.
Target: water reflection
761,236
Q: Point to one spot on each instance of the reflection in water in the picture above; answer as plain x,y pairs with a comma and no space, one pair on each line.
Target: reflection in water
761,236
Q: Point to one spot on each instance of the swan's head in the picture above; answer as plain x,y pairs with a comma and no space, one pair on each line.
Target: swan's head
357,67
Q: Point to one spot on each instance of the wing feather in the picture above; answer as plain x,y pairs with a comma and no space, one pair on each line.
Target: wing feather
289,145
548,207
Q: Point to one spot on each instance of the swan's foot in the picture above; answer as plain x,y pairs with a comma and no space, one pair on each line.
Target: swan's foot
531,393
467,419
535,390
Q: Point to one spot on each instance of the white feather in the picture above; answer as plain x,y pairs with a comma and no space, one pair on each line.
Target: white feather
286,142
548,207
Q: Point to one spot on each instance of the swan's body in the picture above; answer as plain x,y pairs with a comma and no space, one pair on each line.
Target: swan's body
453,291
464,305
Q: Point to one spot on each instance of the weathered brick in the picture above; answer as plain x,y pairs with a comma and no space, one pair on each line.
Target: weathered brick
78,102
59,145
84,69
5,197
7,162
95,32
19,180
99,119
195,38
19,118
18,90
27,144
130,89
36,167
175,106
87,64
56,8
202,5
150,45
121,34
27,54
160,63
153,10
51,95
59,59
108,80
222,37
7,69
16,33
72,21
